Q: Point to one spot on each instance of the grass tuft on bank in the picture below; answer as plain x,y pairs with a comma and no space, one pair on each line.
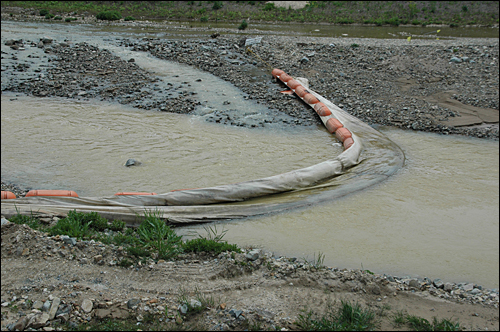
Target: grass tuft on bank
153,238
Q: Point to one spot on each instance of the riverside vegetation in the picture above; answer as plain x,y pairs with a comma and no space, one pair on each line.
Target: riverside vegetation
452,13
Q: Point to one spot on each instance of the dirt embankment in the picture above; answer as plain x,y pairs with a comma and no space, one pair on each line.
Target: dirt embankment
84,283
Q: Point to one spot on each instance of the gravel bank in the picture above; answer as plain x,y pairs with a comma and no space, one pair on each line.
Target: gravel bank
443,86
76,282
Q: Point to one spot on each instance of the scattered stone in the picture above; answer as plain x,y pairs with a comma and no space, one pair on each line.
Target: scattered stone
414,283
54,307
235,313
195,303
183,309
46,306
132,162
438,283
133,303
87,305
456,60
253,254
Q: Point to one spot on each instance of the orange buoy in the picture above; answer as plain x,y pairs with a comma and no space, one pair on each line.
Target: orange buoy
301,91
51,193
310,99
342,134
292,84
348,143
321,109
277,72
134,193
8,195
285,77
333,125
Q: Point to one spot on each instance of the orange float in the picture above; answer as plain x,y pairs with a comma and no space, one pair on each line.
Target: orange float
134,193
310,99
277,72
301,91
333,125
348,143
285,78
8,195
342,134
321,109
51,193
292,84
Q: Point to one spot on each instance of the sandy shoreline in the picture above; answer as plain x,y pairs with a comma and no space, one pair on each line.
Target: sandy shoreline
282,290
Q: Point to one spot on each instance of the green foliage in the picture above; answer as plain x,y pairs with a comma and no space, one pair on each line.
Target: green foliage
58,18
30,220
43,12
464,9
354,45
129,18
269,6
73,227
109,16
117,225
204,19
211,242
349,317
138,251
205,245
416,323
49,16
217,5
154,233
243,25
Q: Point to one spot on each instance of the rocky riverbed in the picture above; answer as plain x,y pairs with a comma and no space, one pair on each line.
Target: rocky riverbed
446,86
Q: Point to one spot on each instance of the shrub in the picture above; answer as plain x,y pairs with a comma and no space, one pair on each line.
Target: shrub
68,19
58,18
70,226
109,16
49,16
156,234
269,6
43,12
129,18
243,25
117,225
204,19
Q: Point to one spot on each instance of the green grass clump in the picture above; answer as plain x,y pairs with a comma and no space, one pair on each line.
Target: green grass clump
200,245
154,233
211,242
117,225
349,317
109,16
72,227
43,12
49,16
421,324
129,18
58,18
30,220
243,25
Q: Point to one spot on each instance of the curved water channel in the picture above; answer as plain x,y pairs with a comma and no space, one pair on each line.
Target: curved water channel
437,217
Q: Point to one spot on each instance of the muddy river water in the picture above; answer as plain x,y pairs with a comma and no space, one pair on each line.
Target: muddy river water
437,217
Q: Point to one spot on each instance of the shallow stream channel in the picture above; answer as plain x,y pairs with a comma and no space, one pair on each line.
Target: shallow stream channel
437,217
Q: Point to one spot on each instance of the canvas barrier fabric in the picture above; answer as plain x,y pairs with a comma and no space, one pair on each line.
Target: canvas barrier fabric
339,175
